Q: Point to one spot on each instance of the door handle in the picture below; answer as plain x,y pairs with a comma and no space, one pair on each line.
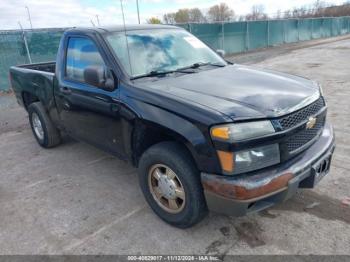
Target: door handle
65,90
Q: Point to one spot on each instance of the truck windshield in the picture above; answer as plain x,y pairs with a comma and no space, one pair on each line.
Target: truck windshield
160,50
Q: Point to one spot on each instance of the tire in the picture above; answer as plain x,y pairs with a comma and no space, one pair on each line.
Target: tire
50,136
187,179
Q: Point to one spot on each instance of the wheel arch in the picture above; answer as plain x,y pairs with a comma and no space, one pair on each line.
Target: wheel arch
170,127
146,134
29,98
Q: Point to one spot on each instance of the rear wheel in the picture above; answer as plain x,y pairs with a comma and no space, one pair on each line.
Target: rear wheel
43,129
171,184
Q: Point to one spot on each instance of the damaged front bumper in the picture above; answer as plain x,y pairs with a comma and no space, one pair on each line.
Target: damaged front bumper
242,194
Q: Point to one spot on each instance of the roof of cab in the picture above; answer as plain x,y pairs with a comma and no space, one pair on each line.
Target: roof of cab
120,28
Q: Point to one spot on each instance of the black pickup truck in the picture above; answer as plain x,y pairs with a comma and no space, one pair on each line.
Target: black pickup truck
204,133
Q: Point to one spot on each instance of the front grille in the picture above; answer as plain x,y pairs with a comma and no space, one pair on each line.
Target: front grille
301,138
296,118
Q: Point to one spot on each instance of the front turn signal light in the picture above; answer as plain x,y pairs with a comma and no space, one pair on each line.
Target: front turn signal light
222,132
226,160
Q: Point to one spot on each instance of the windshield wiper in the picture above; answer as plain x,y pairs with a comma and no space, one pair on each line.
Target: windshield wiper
199,64
152,74
179,70
161,73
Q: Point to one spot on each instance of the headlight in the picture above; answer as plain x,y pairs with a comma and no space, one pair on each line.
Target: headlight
256,158
245,160
241,131
233,163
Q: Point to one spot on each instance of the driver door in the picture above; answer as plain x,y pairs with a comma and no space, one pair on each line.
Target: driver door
88,112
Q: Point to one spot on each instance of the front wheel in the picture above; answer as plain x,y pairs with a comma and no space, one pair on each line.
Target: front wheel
171,184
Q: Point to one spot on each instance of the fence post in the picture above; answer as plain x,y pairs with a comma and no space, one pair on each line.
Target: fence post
247,36
331,31
268,33
284,31
322,28
27,48
25,43
223,36
298,28
312,28
189,27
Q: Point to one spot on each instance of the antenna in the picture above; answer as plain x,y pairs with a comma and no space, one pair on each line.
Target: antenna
92,22
126,38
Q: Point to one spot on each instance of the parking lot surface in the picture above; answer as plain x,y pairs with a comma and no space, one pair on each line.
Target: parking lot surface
75,199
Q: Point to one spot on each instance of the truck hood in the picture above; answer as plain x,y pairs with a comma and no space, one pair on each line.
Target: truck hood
241,91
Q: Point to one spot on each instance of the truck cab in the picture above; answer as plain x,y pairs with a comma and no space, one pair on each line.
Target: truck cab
203,132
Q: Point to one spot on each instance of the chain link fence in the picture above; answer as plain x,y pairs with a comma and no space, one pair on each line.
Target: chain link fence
237,37
20,47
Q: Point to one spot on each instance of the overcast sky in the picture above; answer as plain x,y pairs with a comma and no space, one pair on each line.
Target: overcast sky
68,13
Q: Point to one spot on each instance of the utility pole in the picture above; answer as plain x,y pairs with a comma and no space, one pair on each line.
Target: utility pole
138,11
98,20
29,18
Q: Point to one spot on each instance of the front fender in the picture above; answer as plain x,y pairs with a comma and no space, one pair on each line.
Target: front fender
193,135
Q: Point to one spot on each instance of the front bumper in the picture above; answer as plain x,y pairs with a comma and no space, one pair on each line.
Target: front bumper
242,194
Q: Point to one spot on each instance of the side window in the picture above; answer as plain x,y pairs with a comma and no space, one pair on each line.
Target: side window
81,53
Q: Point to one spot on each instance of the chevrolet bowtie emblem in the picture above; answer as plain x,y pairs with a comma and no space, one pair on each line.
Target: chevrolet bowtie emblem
311,122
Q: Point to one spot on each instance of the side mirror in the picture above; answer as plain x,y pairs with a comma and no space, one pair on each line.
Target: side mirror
221,52
100,77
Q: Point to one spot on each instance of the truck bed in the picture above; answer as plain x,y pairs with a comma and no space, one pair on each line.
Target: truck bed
33,82
45,67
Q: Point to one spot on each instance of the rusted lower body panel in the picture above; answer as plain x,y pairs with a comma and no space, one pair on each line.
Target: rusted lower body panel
244,190
241,194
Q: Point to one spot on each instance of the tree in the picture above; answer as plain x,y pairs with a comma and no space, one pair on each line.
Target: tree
220,12
279,14
319,7
196,16
287,14
241,18
257,13
169,18
182,16
185,15
153,20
